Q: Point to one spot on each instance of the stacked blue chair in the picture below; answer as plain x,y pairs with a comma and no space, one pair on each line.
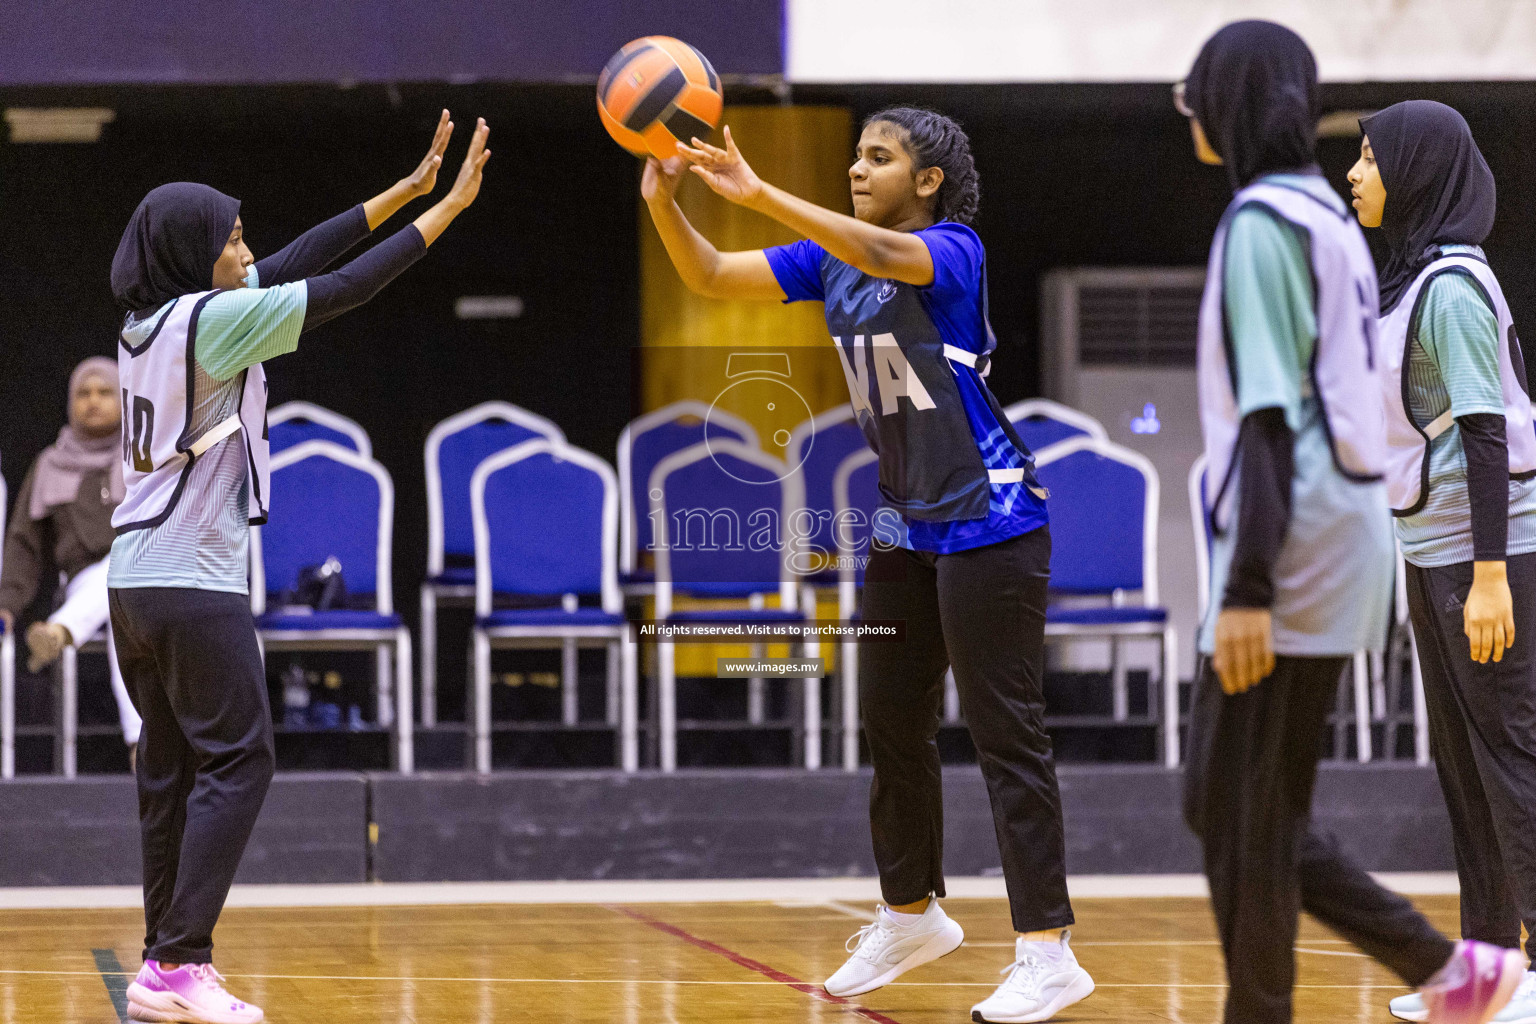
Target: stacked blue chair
1041,422
720,509
454,448
1103,508
855,501
819,446
546,519
1202,535
643,443
1405,624
7,669
329,501
296,422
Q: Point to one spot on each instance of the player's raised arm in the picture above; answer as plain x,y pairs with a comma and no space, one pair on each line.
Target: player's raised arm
465,187
703,268
889,253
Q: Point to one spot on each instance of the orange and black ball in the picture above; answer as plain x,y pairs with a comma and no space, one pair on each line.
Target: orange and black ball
657,92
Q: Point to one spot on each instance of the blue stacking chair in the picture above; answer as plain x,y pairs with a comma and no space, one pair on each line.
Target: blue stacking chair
330,501
855,500
296,422
7,668
546,519
736,485
819,446
1103,508
1202,536
643,443
1041,422
454,448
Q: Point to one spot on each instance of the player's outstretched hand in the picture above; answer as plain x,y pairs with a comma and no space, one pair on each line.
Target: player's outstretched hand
467,185
724,170
465,188
1245,651
1488,617
424,178
659,182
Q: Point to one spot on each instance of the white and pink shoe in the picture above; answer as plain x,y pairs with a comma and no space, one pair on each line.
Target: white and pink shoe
191,994
1474,984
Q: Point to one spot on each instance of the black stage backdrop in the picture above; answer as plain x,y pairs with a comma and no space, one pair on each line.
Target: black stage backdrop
1071,175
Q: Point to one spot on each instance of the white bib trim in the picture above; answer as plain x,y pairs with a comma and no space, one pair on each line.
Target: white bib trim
214,436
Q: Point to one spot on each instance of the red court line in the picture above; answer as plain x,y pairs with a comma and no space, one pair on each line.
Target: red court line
815,991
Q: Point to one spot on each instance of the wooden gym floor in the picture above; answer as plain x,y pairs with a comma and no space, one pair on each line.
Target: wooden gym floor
753,963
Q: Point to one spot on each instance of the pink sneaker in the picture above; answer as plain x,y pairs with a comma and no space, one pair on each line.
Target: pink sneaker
1474,984
192,994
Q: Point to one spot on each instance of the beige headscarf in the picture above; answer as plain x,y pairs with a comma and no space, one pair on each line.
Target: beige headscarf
63,464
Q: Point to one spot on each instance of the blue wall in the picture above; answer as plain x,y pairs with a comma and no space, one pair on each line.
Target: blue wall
164,41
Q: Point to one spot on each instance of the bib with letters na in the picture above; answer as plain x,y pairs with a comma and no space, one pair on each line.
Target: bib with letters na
903,382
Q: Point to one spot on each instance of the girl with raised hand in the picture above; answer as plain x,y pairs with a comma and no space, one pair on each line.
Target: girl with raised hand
1301,567
1462,483
904,283
201,315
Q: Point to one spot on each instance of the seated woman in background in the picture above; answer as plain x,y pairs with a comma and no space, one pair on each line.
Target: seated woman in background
62,523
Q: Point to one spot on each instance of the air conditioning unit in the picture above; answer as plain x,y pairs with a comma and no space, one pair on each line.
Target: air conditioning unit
1119,344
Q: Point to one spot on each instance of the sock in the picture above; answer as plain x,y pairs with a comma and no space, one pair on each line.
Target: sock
1046,944
902,919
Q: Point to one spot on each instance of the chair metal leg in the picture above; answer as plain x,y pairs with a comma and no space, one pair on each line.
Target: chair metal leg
611,701
1420,708
69,708
666,702
812,710
384,676
7,706
482,702
569,674
1170,688
428,655
1362,683
850,676
1376,666
951,697
629,706
1119,682
757,692
405,726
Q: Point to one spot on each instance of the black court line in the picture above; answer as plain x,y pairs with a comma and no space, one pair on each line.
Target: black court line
116,981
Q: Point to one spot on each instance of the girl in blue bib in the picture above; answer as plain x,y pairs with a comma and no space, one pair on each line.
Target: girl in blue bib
904,283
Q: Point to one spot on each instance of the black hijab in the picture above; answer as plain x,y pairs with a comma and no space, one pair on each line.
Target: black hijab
1254,89
1439,188
171,244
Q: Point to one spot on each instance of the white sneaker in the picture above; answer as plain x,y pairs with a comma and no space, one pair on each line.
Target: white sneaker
886,950
1521,1008
1409,1007
1043,980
